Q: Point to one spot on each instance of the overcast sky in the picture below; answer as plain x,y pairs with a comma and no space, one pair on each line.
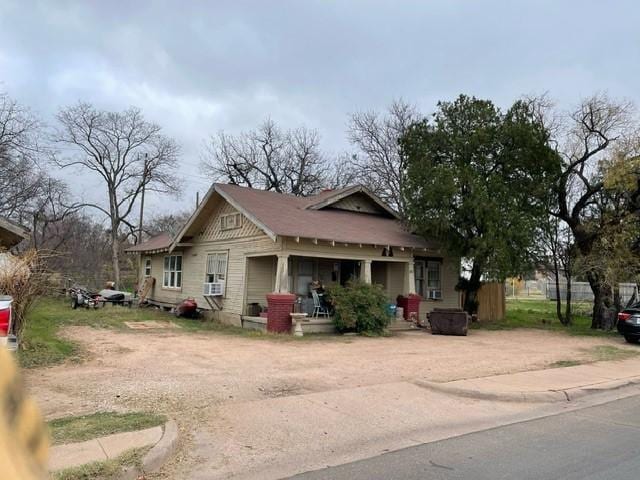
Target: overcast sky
197,67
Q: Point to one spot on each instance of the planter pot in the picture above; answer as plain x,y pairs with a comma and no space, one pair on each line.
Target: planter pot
280,306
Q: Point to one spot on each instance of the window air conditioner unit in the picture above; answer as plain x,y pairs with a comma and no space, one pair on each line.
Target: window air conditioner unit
214,289
435,294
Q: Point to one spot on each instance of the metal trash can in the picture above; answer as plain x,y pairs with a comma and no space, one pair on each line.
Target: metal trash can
449,321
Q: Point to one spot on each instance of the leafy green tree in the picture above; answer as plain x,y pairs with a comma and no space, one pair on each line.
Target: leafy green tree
478,180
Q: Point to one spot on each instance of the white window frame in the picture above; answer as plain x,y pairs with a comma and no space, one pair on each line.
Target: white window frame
426,284
171,275
419,271
231,221
216,267
147,267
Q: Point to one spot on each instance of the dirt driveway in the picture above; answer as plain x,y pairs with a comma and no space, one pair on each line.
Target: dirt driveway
189,375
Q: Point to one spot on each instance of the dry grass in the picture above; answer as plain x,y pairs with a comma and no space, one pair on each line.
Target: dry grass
598,353
86,427
106,470
24,278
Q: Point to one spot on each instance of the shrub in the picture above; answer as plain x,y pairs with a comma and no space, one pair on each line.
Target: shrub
360,307
24,278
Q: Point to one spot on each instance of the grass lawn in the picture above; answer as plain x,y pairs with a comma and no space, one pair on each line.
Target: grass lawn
41,344
86,427
541,314
106,470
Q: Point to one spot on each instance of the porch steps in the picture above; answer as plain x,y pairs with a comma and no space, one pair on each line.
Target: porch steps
401,326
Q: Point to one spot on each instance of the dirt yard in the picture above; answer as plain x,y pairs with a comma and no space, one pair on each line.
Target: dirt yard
188,375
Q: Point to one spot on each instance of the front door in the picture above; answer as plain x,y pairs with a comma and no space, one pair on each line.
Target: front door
349,270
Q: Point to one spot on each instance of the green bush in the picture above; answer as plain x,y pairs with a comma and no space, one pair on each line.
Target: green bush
360,307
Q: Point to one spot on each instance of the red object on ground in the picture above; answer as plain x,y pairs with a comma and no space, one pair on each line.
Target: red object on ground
280,306
188,307
410,304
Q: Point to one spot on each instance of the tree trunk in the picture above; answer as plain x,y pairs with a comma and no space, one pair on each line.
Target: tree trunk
115,259
617,300
115,247
568,314
471,287
558,299
601,299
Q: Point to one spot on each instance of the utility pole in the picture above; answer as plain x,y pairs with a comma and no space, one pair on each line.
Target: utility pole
139,236
144,185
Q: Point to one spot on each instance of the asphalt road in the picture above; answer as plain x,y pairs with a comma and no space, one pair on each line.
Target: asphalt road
601,442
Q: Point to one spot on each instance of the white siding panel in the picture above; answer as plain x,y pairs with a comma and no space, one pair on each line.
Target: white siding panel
261,274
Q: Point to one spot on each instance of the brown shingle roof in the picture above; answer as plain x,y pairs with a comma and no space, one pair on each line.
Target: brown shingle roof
11,233
286,215
159,243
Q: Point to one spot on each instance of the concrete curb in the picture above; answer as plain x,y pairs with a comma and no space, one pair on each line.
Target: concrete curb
157,456
545,396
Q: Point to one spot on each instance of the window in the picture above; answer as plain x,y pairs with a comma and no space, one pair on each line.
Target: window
231,221
147,267
418,270
428,278
216,267
305,276
172,277
433,275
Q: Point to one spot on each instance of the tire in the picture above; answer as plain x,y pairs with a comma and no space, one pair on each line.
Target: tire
631,339
74,302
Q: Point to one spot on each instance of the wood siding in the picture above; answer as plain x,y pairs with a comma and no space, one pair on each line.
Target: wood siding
213,228
238,243
261,275
358,203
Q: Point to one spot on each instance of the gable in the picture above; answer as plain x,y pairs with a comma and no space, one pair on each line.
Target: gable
354,199
225,222
358,202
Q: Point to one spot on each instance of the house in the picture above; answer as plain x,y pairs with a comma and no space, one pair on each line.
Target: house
242,244
11,233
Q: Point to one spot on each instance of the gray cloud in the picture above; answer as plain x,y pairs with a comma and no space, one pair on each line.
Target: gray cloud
198,67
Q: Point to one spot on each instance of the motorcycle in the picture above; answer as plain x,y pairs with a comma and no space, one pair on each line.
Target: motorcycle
81,297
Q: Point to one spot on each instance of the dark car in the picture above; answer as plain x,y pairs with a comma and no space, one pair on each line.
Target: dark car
629,323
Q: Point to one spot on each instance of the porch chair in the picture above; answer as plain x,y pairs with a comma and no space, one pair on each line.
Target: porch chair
318,308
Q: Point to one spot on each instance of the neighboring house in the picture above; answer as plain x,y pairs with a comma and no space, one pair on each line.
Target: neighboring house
241,244
11,233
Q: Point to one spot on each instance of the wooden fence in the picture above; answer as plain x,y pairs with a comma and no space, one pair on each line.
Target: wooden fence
492,304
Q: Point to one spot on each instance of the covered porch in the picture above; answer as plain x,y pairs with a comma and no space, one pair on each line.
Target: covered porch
295,273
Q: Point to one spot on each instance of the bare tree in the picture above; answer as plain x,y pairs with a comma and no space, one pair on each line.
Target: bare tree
170,223
269,159
557,257
48,210
380,160
128,154
342,174
69,238
19,129
592,133
20,180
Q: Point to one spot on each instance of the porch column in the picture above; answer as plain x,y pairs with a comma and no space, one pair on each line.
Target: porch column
409,278
282,274
366,271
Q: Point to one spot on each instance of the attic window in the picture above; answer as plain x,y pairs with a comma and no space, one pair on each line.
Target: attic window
231,221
